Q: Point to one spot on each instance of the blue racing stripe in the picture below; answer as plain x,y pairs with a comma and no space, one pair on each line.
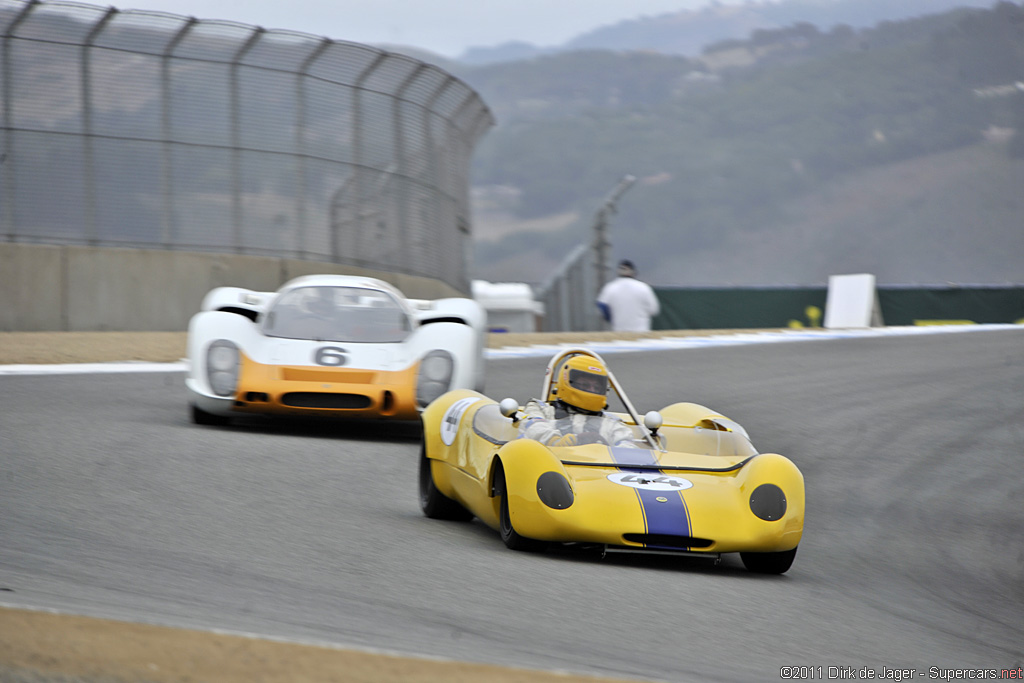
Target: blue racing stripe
668,516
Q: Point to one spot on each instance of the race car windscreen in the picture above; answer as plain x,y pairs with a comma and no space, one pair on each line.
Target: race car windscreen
342,314
611,430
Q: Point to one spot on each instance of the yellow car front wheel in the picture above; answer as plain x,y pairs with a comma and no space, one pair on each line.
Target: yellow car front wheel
509,536
769,563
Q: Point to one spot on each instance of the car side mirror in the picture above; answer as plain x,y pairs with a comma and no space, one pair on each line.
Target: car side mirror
509,407
653,421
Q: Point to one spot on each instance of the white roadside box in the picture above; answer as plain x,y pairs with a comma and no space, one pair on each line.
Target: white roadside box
510,306
852,301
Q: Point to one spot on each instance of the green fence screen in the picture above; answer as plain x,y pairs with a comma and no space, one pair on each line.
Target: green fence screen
773,307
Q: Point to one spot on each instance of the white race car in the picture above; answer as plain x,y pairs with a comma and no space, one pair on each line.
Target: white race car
330,345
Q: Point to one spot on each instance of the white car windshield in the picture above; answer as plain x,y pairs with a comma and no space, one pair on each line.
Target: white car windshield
343,314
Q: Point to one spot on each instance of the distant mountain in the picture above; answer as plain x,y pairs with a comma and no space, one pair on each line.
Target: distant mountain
506,52
688,32
778,159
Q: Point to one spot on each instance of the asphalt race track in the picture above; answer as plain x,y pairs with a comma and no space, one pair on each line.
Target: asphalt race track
113,504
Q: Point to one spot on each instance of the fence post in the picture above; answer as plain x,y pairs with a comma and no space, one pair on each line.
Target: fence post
403,194
359,184
89,163
601,242
169,221
300,144
236,140
7,157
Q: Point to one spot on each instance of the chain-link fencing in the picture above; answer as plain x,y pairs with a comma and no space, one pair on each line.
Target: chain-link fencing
151,130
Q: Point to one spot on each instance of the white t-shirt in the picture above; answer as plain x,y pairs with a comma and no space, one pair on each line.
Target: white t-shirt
632,304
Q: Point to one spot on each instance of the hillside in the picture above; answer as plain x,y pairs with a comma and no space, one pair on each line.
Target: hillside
889,149
925,221
929,220
688,31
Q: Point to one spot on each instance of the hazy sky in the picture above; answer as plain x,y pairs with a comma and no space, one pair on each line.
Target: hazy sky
446,27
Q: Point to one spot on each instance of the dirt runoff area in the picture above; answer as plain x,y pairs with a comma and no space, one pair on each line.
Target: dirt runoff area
42,647
33,348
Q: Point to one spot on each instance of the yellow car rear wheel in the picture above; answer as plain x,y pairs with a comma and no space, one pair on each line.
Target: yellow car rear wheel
435,504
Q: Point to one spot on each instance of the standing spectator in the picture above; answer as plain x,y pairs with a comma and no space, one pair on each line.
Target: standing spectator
626,302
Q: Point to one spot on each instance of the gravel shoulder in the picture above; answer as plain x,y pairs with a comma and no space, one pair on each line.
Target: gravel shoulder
33,348
39,647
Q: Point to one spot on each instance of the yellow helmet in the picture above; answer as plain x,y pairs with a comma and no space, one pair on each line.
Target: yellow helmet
582,383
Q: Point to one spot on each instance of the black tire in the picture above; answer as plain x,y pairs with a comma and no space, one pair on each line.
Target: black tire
201,417
509,535
769,563
435,504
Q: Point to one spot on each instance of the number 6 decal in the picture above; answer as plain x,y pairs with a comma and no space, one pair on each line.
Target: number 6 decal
330,355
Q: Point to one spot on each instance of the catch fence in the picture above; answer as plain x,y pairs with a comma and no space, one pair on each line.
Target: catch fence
569,295
151,130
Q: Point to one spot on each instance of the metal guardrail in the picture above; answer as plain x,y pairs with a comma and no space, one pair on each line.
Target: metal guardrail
570,294
151,130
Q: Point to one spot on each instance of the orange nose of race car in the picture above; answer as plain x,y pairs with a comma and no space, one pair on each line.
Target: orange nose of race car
325,391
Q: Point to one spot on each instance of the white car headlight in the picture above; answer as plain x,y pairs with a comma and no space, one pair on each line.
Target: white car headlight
222,361
435,376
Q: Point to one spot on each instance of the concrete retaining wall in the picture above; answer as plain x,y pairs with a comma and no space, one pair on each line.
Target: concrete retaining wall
70,288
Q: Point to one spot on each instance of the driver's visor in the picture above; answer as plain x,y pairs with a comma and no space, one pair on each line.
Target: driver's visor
588,382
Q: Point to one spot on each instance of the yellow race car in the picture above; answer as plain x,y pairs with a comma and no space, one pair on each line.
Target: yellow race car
688,480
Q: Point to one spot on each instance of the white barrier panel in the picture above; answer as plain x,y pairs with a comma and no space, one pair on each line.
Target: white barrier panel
852,301
510,306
